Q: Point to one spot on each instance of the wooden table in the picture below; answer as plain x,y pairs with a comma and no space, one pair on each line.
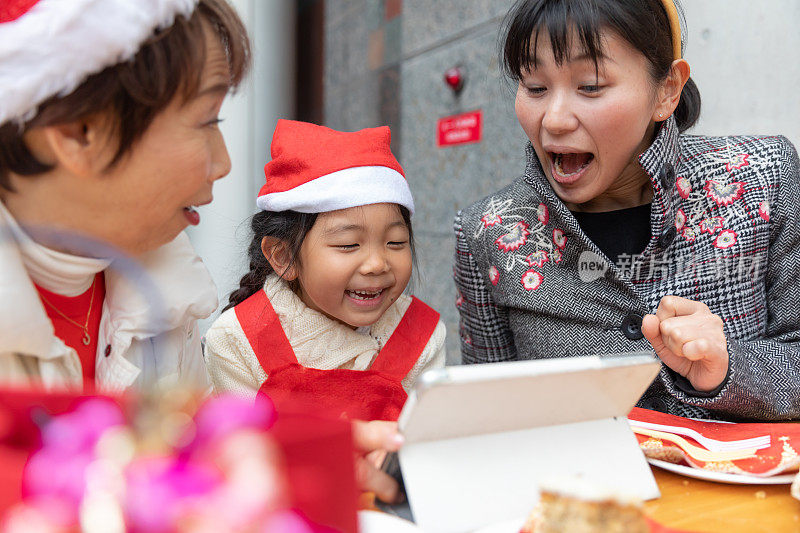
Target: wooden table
697,506
703,506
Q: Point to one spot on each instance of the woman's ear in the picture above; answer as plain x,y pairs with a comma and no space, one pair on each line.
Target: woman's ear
279,257
669,93
81,147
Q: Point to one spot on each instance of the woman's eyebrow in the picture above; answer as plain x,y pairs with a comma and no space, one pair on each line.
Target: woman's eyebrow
217,88
585,57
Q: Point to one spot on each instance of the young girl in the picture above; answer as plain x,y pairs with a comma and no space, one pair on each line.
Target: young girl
321,316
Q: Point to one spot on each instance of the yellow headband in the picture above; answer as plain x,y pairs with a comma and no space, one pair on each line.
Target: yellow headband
675,26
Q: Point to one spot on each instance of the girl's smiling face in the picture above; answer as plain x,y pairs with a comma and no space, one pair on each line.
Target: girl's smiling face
588,123
354,263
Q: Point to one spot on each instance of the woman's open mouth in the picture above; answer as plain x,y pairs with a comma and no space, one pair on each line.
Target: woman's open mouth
569,167
191,215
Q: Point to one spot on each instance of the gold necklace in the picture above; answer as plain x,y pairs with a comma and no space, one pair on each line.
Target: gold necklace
87,339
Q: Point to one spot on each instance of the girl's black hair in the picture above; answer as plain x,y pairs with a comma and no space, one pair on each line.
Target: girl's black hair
290,227
643,23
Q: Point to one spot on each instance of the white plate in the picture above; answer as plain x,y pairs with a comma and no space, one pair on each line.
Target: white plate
507,526
380,522
707,475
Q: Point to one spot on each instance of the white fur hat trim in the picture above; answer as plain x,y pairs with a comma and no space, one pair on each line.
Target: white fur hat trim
57,44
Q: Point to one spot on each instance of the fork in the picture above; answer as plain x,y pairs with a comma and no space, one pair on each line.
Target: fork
697,452
713,445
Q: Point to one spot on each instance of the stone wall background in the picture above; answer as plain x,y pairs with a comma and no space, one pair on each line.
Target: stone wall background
385,61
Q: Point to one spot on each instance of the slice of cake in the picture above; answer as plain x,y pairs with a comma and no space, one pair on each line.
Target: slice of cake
578,506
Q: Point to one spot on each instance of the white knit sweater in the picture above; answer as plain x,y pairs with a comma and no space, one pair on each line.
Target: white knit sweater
317,341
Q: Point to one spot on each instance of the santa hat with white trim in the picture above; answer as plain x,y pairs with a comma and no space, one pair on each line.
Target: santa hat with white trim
315,169
49,47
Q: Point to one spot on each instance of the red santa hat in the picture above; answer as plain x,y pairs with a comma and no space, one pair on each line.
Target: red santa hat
315,169
49,47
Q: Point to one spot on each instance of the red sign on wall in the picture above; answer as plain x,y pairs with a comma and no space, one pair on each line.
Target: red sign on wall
459,129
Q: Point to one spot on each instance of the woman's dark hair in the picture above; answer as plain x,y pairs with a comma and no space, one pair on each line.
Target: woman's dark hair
290,227
133,92
643,23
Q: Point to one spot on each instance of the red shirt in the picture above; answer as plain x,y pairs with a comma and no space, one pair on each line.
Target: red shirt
77,308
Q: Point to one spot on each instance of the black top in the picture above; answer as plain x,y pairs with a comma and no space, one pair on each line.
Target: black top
625,231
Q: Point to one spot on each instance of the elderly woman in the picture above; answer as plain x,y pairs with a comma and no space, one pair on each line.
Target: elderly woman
626,234
108,140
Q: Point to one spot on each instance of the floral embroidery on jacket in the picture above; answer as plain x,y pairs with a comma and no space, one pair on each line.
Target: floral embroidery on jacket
711,225
724,193
537,258
515,238
708,210
680,220
531,280
547,244
491,220
543,214
494,275
725,239
737,162
763,210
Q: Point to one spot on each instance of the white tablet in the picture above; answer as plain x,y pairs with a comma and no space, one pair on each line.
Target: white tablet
460,401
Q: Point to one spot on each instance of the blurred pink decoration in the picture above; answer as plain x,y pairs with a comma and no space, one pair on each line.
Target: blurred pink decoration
227,475
56,474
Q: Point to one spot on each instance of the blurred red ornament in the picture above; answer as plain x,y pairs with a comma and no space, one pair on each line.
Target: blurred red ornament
454,77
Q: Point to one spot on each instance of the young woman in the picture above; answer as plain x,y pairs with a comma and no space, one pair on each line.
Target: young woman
108,129
626,234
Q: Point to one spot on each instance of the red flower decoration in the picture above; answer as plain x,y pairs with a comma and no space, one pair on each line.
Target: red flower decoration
724,193
684,187
711,225
763,210
543,214
689,234
725,239
537,258
680,220
559,238
531,280
557,256
494,275
491,219
514,238
737,162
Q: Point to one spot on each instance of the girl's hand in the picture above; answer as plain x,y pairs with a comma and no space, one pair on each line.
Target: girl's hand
690,340
373,439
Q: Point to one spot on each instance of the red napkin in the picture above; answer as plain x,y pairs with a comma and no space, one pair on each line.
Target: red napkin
781,455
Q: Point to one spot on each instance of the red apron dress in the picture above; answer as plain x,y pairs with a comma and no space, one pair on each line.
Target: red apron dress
373,394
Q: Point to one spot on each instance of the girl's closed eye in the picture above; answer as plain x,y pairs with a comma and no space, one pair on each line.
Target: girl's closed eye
214,122
346,246
591,89
398,244
536,90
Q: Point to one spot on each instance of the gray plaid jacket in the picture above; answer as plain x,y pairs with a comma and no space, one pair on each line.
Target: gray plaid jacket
725,225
